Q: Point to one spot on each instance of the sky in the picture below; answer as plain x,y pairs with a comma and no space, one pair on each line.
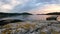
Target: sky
31,6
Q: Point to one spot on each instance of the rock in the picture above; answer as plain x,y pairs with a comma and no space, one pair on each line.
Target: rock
4,22
52,18
58,18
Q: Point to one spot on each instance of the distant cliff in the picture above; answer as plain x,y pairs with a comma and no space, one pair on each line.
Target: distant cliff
54,13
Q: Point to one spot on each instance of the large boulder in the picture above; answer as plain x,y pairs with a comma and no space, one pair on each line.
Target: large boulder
58,18
52,18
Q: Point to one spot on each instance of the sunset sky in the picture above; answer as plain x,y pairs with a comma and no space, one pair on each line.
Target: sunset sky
31,6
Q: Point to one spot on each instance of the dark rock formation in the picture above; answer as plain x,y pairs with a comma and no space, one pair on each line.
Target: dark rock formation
52,18
4,22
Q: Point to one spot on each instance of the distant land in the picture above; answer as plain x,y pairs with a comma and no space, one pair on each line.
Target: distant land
40,14
53,13
25,13
2,15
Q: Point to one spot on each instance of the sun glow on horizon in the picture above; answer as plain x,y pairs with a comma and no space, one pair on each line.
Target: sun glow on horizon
47,9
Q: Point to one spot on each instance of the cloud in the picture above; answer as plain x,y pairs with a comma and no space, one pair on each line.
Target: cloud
34,4
48,8
51,8
6,6
9,4
28,5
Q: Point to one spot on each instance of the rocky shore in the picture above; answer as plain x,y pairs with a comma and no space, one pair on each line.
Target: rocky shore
34,27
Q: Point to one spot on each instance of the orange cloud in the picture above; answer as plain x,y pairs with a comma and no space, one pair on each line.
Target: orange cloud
51,8
47,9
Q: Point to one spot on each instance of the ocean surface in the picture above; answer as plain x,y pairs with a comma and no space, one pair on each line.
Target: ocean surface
32,17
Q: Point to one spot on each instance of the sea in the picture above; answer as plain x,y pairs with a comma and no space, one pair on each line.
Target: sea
31,17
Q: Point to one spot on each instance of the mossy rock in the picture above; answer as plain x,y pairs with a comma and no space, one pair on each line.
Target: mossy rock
43,32
55,32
